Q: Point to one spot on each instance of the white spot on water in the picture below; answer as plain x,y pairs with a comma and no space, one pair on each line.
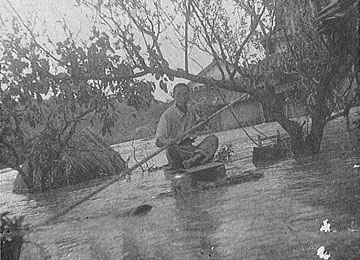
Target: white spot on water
322,253
325,227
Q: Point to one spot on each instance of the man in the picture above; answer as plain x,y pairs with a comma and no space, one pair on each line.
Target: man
174,122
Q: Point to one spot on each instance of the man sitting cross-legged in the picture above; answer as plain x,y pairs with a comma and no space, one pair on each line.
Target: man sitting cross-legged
176,121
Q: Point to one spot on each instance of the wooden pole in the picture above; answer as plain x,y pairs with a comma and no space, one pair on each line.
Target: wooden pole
127,171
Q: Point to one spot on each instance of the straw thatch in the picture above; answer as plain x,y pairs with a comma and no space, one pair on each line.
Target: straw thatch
86,157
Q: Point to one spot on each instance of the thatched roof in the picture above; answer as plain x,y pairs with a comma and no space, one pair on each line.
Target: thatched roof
86,157
89,155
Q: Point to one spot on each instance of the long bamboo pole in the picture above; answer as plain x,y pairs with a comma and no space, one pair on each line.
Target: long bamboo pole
128,170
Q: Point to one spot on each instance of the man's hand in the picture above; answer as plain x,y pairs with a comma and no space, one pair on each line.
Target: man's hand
203,121
191,136
160,142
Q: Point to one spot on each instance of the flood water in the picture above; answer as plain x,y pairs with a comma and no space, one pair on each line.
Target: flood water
278,216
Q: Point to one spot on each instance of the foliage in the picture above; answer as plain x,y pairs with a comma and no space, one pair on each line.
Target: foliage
12,233
45,94
271,50
276,57
225,153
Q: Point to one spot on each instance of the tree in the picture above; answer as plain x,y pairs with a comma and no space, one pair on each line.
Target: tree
332,20
135,40
46,94
312,65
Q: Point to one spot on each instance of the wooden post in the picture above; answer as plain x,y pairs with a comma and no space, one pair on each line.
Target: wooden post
278,137
259,141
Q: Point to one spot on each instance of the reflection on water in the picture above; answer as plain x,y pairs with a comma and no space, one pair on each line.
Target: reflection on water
186,231
197,225
278,216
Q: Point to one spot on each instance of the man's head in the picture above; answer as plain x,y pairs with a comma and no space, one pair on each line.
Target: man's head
181,94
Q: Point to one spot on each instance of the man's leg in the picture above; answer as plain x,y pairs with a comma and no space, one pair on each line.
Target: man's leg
176,154
204,152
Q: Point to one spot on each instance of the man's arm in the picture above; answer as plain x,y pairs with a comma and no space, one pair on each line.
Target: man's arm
161,132
161,141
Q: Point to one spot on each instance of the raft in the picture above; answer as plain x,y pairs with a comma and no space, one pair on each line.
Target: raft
185,180
210,172
204,177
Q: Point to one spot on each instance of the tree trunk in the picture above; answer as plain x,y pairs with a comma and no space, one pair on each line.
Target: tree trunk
313,140
301,145
24,181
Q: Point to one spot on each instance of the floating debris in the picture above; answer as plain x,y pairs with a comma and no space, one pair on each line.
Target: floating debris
325,227
225,153
322,253
136,211
140,210
12,236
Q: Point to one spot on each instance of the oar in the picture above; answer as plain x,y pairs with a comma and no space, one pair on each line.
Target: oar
128,170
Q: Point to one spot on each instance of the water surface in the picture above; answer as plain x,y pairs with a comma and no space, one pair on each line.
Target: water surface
275,217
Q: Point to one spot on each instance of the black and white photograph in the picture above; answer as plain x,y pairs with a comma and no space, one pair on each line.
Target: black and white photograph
180,129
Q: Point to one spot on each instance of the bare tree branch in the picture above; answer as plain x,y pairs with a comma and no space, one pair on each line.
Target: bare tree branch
219,41
240,50
33,36
208,40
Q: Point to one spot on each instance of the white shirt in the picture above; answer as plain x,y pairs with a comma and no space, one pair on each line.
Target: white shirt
174,123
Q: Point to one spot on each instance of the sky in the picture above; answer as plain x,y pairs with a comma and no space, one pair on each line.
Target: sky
48,15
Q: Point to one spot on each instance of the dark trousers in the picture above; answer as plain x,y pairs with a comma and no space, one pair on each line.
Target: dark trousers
178,153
